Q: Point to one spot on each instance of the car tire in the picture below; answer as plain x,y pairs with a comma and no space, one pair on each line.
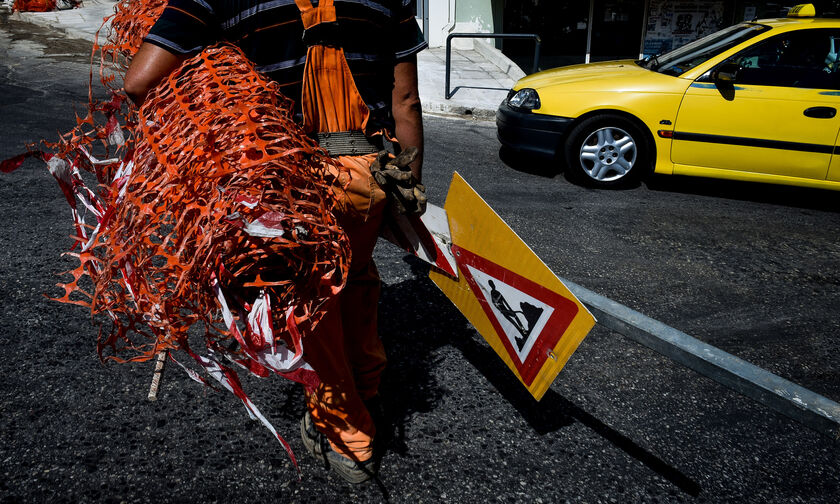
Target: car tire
607,150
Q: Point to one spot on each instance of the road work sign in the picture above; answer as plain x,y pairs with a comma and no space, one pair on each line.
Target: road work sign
512,298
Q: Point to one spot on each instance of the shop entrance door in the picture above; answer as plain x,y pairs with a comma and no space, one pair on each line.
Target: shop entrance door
616,29
561,25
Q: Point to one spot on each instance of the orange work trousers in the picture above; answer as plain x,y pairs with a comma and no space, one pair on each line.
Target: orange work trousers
345,349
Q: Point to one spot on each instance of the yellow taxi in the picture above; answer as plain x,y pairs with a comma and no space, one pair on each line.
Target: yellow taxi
756,102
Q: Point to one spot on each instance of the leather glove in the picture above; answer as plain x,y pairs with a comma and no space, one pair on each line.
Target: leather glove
395,178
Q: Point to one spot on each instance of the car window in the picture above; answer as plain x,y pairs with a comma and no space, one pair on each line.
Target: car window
802,59
685,58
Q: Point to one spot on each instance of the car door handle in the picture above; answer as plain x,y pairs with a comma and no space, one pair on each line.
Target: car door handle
821,112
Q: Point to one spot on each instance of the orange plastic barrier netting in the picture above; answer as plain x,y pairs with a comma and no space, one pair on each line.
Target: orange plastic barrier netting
34,5
214,212
129,25
224,186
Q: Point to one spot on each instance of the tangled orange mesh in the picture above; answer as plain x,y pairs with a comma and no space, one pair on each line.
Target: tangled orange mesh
34,5
216,161
129,25
224,185
213,211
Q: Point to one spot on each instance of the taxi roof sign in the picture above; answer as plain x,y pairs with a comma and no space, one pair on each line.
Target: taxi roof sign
802,11
526,314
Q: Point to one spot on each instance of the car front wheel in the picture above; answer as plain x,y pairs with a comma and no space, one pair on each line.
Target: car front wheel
606,150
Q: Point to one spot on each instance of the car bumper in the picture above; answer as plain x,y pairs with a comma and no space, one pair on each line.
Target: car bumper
529,132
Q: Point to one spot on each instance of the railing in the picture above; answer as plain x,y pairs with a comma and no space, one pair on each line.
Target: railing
451,36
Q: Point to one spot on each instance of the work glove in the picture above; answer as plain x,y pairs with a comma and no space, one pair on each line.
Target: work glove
395,178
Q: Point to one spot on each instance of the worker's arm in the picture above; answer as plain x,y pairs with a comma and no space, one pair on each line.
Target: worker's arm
407,111
148,67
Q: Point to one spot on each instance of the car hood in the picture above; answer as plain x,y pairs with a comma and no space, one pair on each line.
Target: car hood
610,75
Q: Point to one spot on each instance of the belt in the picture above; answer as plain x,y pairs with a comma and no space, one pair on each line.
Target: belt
348,143
325,33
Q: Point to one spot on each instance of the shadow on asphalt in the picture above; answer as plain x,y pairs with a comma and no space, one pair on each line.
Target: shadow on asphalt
411,336
792,196
542,166
797,197
409,387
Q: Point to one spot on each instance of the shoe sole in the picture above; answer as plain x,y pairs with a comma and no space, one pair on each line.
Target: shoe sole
316,446
351,475
313,446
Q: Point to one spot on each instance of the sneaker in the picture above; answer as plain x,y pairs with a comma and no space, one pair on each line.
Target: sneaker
350,470
313,440
318,446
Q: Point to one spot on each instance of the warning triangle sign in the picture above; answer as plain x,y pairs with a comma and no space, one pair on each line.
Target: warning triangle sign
532,321
528,318
521,317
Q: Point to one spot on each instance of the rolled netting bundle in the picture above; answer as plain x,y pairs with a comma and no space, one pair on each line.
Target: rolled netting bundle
34,5
214,213
225,189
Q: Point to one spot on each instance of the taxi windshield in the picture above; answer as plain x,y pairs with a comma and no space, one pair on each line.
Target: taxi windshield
685,58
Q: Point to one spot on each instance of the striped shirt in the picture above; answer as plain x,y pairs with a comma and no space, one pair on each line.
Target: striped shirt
375,35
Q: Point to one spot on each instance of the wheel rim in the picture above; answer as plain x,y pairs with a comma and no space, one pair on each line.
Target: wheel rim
608,154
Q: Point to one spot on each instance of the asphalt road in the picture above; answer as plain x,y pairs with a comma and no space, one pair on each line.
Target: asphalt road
750,269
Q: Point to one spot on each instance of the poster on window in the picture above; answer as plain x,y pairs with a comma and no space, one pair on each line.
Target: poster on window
671,23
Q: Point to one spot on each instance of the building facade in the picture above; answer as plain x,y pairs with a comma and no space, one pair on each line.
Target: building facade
583,31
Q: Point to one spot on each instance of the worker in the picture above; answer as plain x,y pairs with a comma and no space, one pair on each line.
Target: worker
351,67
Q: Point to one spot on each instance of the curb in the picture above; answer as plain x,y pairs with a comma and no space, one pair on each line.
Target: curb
461,111
498,58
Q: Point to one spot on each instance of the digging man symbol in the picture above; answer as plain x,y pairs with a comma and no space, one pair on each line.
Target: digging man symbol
513,316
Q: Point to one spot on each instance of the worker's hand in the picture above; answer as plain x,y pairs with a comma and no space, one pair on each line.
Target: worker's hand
396,179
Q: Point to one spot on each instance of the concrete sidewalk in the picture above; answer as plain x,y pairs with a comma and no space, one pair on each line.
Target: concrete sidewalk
481,77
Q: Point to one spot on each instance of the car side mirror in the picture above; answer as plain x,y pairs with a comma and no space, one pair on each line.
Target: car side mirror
726,73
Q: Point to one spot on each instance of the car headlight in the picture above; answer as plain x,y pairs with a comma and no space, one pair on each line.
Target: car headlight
525,98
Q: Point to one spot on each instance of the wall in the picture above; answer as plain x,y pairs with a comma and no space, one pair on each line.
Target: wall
441,21
474,15
462,16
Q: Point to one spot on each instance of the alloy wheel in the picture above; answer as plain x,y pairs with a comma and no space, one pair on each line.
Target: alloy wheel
608,154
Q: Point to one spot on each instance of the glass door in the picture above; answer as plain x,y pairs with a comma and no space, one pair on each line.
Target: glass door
562,26
616,29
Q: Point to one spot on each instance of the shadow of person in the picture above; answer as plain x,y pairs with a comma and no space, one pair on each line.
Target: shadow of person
416,319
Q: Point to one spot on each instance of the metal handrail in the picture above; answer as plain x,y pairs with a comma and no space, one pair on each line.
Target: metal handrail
449,38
